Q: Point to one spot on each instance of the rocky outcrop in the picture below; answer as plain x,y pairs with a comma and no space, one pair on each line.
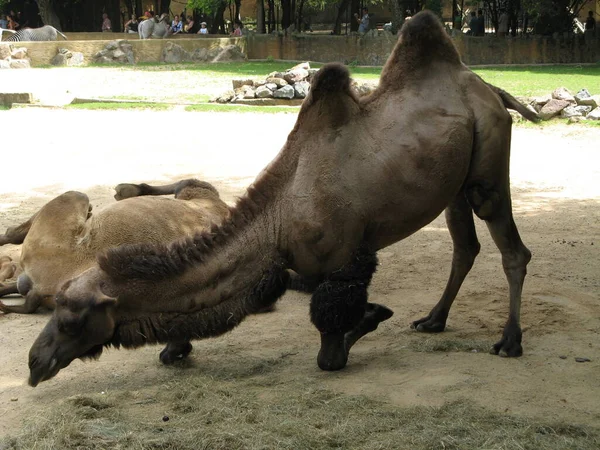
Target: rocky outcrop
288,87
67,58
173,54
561,103
116,52
12,57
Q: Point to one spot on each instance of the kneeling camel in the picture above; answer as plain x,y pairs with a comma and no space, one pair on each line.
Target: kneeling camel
355,175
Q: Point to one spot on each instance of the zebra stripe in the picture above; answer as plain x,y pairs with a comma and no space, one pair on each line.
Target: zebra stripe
45,33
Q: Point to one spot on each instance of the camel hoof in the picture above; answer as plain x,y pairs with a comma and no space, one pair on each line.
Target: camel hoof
127,190
507,348
429,324
332,355
173,353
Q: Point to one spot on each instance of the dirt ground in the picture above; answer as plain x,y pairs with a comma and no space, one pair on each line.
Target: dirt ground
556,194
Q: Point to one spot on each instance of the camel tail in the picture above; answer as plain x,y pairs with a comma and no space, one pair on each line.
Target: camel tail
64,37
512,103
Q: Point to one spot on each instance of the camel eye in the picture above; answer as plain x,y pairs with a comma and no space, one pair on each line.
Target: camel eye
70,327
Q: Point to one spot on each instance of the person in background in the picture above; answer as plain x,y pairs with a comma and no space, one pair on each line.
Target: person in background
237,29
590,22
480,23
503,23
3,22
176,25
203,29
106,25
189,25
131,26
473,24
12,23
363,21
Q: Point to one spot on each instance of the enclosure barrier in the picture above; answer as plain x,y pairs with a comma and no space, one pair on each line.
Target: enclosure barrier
353,49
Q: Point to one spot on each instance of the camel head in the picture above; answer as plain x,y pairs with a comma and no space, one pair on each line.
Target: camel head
82,323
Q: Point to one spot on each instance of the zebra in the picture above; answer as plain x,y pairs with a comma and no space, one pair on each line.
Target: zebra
154,28
45,33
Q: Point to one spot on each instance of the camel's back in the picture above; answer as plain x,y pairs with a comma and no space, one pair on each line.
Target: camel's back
152,220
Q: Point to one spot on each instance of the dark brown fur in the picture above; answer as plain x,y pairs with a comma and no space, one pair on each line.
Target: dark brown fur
150,262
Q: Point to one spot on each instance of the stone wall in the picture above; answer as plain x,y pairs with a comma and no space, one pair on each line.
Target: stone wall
365,50
149,50
374,50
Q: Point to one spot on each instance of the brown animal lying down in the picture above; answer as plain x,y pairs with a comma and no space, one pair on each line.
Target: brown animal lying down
63,239
354,176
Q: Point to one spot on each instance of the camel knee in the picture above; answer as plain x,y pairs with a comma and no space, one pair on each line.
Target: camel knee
338,307
515,262
464,256
24,284
486,201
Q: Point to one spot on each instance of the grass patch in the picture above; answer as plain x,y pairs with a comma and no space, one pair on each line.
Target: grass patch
4,108
218,107
539,80
434,344
253,404
119,106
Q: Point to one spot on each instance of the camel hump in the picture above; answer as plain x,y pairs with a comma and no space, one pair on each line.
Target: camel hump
332,78
425,35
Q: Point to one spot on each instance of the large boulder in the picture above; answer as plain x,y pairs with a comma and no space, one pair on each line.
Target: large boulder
594,114
65,57
119,51
5,50
553,108
284,92
229,53
295,75
263,92
19,53
239,83
301,89
174,54
563,93
19,64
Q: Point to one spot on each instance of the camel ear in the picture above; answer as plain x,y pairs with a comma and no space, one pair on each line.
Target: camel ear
103,297
105,300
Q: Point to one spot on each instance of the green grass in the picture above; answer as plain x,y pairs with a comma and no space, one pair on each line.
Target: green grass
539,80
524,81
217,107
110,106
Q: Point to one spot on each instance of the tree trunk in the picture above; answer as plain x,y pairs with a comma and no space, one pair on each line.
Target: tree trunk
355,9
271,16
286,14
238,7
342,10
298,19
260,16
397,15
48,14
218,24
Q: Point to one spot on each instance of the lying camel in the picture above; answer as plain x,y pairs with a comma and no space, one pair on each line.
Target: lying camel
355,175
63,238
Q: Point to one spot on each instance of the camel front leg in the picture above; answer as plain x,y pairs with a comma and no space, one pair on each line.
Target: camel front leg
32,303
128,190
16,235
8,289
339,306
459,218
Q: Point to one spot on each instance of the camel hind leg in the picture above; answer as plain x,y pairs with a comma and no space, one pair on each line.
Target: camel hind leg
128,190
17,234
488,193
459,218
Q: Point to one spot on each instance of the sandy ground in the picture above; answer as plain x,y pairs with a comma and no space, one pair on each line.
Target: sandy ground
556,193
